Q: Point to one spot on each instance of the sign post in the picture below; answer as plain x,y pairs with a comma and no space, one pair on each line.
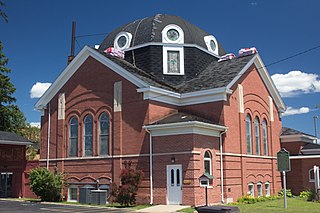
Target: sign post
283,167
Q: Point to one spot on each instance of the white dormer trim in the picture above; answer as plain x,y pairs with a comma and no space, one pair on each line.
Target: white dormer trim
128,37
166,39
165,51
207,40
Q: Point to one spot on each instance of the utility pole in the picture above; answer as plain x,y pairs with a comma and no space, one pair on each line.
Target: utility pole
315,117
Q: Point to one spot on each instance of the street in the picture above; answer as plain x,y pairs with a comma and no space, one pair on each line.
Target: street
24,206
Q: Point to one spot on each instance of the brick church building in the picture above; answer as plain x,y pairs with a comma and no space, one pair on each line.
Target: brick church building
186,116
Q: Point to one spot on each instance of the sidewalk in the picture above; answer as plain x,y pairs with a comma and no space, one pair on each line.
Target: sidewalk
162,209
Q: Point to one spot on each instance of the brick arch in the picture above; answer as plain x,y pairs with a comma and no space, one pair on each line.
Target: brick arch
104,179
73,178
73,112
88,177
89,111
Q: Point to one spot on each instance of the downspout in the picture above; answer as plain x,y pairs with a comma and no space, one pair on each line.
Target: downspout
48,143
221,166
150,159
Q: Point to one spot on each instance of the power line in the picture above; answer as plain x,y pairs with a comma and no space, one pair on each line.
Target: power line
89,35
293,56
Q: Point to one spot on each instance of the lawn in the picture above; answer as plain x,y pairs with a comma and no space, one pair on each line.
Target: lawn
295,205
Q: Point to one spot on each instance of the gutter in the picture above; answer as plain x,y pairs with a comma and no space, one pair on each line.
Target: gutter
151,166
221,165
48,142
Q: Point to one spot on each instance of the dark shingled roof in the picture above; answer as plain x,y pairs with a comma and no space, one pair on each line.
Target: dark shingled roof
289,131
10,137
217,74
183,117
149,30
311,146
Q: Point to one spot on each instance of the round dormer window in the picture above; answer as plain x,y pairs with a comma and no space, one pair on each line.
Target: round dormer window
213,45
122,40
173,34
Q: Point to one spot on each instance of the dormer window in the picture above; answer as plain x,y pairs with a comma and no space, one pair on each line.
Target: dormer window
173,55
211,43
122,40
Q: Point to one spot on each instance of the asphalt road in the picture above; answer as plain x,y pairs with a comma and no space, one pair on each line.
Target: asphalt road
23,206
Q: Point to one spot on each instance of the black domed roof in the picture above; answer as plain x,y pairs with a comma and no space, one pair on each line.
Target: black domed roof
149,30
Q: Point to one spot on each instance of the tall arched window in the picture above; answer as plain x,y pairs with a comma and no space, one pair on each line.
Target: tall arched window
73,137
104,129
207,163
88,130
248,134
265,137
257,134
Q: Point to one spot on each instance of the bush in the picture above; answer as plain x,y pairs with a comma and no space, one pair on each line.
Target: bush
288,191
46,184
309,195
126,193
250,200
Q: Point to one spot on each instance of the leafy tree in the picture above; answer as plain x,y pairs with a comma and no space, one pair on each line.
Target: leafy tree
32,133
130,180
2,14
46,184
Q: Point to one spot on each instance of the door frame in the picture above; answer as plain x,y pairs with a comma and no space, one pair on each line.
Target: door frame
168,179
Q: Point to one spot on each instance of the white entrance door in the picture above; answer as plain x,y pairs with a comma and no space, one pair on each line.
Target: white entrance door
174,184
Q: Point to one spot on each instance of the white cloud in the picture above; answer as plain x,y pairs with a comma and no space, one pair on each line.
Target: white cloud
38,89
292,111
35,124
296,82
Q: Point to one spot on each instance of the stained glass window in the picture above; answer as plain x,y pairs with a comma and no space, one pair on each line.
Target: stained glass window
173,61
104,134
73,137
88,130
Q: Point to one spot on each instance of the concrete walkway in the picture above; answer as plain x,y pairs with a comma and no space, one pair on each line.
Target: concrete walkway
163,208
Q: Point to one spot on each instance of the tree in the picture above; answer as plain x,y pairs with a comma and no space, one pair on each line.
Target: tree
46,184
130,180
32,133
11,118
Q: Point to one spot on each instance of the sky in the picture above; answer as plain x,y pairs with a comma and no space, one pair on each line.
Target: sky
286,33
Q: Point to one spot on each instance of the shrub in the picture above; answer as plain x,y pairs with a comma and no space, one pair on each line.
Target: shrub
126,193
309,195
250,200
288,191
46,184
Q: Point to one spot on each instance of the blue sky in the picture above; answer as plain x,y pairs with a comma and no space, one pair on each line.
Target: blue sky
37,40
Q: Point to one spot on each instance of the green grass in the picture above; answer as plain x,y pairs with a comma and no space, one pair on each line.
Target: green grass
295,205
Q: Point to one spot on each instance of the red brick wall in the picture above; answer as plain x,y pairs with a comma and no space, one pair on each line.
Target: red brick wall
239,171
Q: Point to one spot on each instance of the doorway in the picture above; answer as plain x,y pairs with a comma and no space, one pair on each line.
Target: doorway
6,184
174,184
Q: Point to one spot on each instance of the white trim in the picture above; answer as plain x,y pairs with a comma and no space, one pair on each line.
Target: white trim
184,99
173,45
267,190
303,157
122,156
261,190
252,190
165,38
74,66
311,151
6,142
241,100
181,128
257,61
207,40
128,37
165,51
248,156
298,138
271,109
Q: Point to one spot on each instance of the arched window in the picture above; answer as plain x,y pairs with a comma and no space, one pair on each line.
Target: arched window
73,137
248,135
257,134
104,129
88,130
259,189
251,189
265,137
267,188
207,163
